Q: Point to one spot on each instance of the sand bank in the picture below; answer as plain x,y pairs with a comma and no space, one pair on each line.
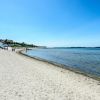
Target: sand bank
22,78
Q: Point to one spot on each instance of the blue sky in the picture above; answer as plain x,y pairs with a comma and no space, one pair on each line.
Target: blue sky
51,22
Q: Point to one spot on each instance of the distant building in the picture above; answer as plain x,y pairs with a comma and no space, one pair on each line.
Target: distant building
1,45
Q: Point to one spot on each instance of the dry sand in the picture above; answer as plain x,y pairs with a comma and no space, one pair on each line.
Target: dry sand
22,78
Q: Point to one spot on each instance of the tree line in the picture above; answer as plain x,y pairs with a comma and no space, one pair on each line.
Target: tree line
16,44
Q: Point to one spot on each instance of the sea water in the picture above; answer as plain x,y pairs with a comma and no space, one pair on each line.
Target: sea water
86,60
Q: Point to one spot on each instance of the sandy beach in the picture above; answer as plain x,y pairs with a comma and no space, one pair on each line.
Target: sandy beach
23,78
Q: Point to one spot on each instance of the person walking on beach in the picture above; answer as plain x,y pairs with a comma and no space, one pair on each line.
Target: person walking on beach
13,49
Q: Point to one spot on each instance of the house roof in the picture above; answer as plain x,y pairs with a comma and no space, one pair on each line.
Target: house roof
3,45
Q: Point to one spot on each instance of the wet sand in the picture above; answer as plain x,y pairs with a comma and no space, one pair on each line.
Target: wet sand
23,78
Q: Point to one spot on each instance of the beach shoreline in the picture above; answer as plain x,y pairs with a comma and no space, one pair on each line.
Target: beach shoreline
24,78
60,65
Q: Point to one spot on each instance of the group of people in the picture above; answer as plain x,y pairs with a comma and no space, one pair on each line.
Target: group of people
13,49
9,48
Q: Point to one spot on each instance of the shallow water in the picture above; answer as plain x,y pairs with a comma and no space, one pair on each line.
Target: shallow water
83,59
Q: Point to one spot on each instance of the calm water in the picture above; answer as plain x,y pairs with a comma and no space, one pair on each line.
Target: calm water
84,59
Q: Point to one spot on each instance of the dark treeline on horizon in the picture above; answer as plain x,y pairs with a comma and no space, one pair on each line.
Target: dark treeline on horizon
75,47
16,44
